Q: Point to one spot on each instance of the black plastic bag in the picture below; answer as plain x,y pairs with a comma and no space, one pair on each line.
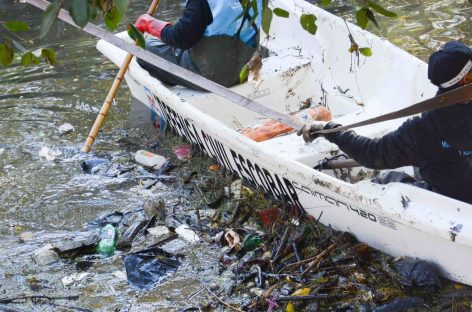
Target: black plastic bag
149,267
418,272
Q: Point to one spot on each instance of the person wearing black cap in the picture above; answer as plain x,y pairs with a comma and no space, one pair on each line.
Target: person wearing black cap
438,142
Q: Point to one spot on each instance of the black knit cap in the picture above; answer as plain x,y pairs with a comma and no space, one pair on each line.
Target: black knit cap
446,64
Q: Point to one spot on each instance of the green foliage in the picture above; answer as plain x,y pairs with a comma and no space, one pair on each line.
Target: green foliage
325,2
281,12
79,10
49,17
6,55
16,26
92,12
381,10
49,56
112,18
365,14
370,15
308,22
365,51
29,59
361,17
266,19
244,73
136,35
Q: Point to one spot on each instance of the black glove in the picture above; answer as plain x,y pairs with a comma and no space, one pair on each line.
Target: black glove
308,132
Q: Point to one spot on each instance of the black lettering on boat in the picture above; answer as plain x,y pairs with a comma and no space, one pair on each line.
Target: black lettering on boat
263,178
292,193
330,200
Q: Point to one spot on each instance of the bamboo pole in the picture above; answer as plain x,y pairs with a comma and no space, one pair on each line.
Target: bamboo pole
112,93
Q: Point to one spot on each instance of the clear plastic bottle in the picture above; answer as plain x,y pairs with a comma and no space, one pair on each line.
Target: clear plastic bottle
108,237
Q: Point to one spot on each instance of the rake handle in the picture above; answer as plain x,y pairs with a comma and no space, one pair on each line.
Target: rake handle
97,125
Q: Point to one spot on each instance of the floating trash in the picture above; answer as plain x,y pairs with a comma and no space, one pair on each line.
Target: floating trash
182,151
66,128
149,267
48,153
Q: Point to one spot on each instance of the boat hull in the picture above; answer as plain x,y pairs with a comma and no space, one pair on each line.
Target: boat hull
398,219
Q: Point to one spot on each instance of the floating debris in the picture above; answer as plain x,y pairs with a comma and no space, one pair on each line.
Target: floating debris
66,128
148,267
182,152
48,153
149,159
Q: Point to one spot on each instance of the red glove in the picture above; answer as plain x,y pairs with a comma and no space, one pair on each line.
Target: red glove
149,24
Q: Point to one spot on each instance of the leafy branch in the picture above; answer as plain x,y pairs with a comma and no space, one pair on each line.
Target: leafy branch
112,11
364,15
81,11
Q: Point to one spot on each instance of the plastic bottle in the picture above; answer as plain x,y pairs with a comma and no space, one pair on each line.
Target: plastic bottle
149,159
108,237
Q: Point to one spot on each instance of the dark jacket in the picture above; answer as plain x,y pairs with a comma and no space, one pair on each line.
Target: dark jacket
190,27
439,143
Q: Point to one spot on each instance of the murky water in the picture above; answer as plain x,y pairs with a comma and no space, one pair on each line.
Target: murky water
47,196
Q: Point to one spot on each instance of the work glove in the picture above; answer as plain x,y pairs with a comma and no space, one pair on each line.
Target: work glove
147,23
308,132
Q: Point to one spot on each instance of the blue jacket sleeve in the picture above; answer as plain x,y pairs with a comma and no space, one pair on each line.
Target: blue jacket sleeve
393,150
191,26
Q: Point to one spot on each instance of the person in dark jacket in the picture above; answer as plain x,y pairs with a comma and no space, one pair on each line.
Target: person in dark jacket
213,38
438,142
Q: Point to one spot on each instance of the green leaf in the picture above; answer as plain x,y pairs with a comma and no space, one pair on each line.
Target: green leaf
381,10
6,55
136,35
308,23
17,26
48,17
370,16
49,56
92,12
113,18
243,74
122,5
79,12
281,12
266,19
361,17
29,59
325,2
365,51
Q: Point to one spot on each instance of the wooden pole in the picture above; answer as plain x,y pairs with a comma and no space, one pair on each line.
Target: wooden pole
112,93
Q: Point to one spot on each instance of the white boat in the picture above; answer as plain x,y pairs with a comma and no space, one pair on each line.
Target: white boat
399,219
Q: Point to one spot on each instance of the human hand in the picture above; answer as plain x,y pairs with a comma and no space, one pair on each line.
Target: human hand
147,23
308,132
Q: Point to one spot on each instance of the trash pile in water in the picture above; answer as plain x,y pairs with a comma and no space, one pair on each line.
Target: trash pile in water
283,260
272,256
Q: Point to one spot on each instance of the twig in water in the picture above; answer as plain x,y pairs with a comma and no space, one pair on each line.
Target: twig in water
201,193
318,258
283,242
221,301
10,300
297,255
195,293
301,298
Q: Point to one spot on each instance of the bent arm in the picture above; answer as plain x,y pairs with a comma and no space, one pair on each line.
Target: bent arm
393,150
191,26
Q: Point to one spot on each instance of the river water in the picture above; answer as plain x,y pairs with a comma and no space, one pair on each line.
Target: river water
54,196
